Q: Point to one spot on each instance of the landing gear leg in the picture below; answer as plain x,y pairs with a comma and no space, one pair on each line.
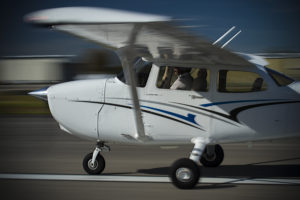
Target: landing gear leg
94,163
185,173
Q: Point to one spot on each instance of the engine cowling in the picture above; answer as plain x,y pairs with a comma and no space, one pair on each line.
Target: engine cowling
76,105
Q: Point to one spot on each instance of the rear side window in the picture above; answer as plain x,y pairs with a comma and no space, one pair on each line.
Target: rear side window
240,81
280,79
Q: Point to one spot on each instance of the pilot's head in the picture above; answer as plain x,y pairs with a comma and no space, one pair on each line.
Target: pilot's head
202,73
181,70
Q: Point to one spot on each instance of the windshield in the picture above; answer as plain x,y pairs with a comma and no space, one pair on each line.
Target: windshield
279,78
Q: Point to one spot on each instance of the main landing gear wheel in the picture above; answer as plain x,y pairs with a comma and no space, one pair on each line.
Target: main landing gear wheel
213,158
97,167
185,173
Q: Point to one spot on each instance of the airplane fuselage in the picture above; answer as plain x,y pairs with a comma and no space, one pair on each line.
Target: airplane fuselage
102,110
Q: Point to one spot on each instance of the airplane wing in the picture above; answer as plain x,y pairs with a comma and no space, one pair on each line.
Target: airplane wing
150,36
153,37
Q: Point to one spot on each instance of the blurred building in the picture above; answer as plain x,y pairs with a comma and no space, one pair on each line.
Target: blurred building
56,68
53,69
32,69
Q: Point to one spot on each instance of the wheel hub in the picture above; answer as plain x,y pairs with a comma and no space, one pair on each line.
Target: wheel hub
183,174
210,157
91,165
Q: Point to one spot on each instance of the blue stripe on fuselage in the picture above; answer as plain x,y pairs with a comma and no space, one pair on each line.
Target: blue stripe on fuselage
189,117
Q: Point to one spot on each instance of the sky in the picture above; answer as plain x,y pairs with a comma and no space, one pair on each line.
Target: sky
267,25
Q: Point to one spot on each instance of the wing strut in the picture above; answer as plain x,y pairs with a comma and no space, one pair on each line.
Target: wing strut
127,57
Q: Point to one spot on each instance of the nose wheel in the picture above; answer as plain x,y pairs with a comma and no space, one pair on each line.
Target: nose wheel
93,168
94,163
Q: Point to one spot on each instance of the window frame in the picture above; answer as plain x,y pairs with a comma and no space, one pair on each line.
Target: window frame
272,71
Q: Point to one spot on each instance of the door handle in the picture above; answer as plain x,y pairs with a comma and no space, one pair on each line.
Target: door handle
152,94
196,97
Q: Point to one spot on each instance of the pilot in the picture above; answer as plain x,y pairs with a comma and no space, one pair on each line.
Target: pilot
184,80
200,83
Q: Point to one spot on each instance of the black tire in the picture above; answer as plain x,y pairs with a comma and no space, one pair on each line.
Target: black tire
179,168
215,160
98,167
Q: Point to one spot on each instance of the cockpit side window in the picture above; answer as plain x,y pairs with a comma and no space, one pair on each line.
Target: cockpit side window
231,81
142,70
143,74
121,76
183,78
166,77
280,79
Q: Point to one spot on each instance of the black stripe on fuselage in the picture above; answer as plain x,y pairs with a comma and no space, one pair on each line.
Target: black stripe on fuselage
234,113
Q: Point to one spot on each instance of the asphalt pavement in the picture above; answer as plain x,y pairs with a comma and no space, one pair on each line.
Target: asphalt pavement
36,145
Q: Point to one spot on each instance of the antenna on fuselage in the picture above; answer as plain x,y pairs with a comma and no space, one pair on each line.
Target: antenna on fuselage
224,35
230,39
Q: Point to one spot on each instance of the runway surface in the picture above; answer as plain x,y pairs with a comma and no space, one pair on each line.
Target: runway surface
38,161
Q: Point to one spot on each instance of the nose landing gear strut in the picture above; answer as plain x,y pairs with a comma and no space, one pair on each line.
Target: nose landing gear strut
94,163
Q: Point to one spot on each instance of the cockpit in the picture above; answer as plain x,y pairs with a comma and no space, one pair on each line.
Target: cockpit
198,79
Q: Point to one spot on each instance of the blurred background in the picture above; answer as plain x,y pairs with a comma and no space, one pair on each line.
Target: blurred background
32,58
22,74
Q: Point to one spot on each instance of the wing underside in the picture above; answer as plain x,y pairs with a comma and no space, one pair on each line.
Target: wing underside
155,41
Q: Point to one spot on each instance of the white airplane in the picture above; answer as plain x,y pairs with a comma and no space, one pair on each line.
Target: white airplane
230,98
